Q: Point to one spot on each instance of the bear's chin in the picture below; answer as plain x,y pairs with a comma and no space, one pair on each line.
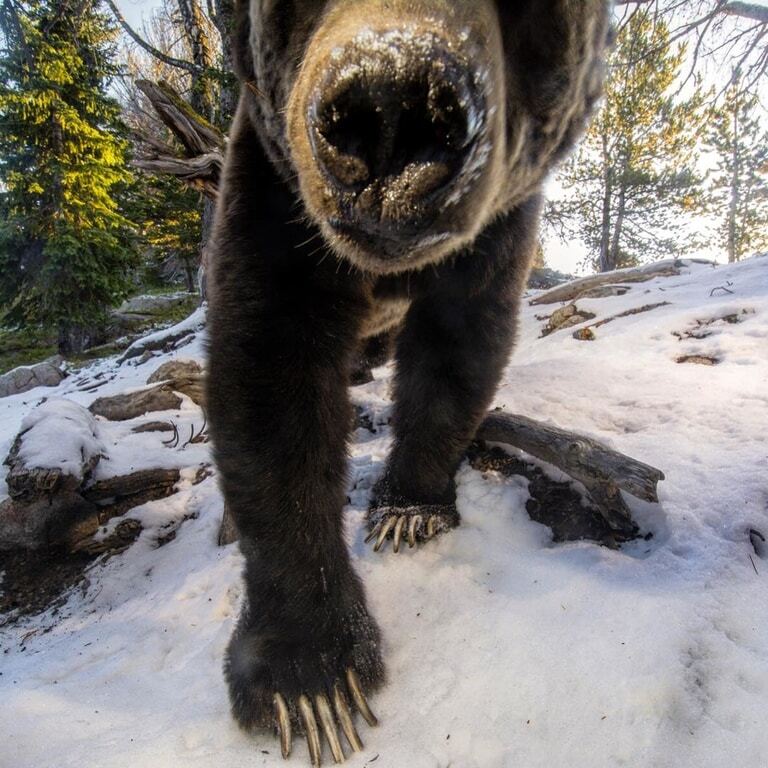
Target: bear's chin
380,258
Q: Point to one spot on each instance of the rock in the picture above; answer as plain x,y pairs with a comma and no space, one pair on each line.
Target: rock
43,522
584,334
49,373
129,406
566,317
175,369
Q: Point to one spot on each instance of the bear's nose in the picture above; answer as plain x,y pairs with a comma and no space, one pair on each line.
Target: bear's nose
399,119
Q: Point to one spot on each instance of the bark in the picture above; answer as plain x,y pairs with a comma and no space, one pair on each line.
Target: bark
603,471
585,286
733,254
141,482
129,406
202,158
618,226
605,227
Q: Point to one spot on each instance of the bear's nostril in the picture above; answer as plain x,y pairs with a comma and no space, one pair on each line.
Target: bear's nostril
374,128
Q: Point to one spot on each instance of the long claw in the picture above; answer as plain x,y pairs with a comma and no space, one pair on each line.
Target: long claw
357,694
283,725
385,529
345,718
313,734
412,526
329,727
398,533
431,526
374,532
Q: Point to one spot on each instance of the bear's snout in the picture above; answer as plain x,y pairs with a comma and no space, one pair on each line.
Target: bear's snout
393,127
402,117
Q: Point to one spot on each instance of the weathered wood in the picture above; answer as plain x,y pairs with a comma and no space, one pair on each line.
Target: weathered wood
195,134
203,155
602,471
75,457
41,522
587,334
578,288
174,369
154,426
160,342
227,530
185,376
141,482
201,173
554,503
133,404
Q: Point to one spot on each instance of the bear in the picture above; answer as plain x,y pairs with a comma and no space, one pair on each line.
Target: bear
382,180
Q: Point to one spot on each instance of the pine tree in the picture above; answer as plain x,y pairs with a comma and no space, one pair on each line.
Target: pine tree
64,244
169,230
740,181
634,173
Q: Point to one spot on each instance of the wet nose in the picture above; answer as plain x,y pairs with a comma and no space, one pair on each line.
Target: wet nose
407,120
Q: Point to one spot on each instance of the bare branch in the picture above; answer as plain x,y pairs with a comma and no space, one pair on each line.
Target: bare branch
172,61
747,11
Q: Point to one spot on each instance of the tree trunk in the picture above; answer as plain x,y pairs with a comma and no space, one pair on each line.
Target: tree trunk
224,19
618,226
733,250
604,264
73,338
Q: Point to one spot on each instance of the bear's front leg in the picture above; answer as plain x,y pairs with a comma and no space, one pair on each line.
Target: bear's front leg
282,332
452,350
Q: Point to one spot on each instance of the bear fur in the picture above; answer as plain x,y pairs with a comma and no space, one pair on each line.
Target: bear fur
442,266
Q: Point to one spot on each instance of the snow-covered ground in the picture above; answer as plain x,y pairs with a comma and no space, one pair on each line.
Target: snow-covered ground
503,648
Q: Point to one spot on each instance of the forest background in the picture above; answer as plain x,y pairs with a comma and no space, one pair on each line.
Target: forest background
105,195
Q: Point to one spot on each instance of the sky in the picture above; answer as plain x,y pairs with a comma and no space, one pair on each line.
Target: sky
565,257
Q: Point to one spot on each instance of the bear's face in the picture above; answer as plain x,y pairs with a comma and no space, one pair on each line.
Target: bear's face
410,124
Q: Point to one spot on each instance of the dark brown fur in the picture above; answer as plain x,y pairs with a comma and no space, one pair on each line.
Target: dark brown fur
291,300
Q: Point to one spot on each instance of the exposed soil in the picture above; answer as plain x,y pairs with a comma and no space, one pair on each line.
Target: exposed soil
36,580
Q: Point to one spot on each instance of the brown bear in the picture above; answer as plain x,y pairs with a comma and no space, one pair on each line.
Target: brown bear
383,177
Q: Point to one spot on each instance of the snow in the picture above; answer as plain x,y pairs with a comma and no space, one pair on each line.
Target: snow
503,648
192,324
59,435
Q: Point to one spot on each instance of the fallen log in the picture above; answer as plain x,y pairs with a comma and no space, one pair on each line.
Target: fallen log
585,286
603,471
128,406
145,481
55,451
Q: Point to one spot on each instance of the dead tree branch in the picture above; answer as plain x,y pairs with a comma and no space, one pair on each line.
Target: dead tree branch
203,144
172,61
603,471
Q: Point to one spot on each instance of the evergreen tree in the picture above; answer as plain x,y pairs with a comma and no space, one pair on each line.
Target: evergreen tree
64,244
740,181
633,176
169,227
